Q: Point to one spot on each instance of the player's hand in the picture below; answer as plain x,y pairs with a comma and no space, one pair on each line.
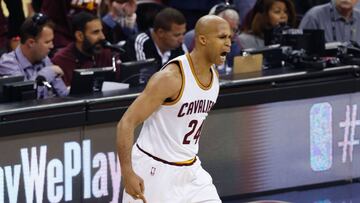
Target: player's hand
134,186
57,70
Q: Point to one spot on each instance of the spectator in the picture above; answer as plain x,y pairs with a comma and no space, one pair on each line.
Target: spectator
30,58
120,22
230,14
163,42
266,15
87,50
61,13
338,18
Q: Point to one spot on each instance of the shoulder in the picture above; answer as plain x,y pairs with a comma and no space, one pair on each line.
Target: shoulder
108,21
189,39
9,64
316,16
8,59
244,36
170,74
190,33
139,41
318,11
248,40
67,52
142,37
65,57
47,61
166,82
357,13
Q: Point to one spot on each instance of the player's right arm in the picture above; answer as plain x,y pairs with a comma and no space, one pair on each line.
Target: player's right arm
164,84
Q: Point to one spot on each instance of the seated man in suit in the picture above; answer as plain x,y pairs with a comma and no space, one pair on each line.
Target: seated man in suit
163,42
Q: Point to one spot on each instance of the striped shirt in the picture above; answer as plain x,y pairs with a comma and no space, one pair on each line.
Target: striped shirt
142,47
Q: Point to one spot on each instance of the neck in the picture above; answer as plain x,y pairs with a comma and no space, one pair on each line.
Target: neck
158,42
200,62
346,13
27,53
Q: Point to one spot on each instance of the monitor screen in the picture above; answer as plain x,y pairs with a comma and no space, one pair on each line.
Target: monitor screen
311,40
6,80
90,80
137,73
19,91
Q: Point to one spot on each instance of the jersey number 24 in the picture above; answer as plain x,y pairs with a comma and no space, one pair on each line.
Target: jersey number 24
194,131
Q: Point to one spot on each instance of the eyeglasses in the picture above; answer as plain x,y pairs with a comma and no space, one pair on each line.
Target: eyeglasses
222,7
39,19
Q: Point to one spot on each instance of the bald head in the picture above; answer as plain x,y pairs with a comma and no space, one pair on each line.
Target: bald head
208,24
212,39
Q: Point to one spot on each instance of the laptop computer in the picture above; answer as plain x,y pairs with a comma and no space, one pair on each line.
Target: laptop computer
90,80
6,80
137,73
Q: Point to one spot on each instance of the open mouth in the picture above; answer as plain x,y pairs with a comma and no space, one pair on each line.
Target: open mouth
223,55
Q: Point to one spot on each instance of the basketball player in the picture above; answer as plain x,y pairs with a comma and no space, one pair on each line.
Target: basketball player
162,166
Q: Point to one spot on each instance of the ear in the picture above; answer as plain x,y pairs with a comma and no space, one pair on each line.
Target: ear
202,39
160,32
30,42
79,36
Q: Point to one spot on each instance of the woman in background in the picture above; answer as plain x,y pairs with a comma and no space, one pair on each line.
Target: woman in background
266,15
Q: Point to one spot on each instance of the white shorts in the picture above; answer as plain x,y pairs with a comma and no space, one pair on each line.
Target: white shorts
165,183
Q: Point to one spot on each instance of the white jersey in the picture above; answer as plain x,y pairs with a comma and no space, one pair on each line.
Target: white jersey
172,132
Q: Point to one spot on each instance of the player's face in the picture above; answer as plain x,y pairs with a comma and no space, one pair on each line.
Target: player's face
278,13
174,37
219,42
93,37
43,44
